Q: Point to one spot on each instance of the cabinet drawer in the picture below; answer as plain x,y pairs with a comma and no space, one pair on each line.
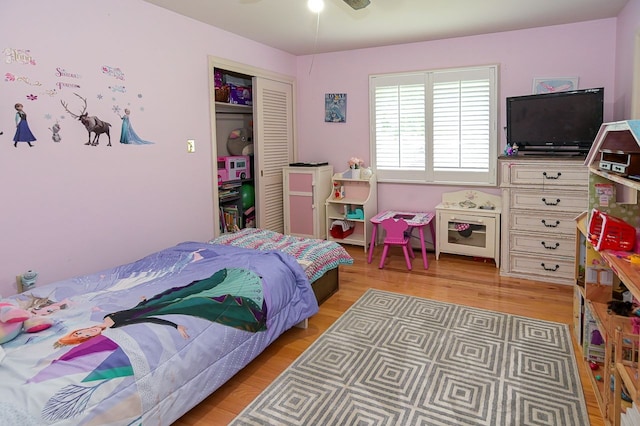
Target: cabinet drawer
542,266
545,175
547,222
567,201
550,244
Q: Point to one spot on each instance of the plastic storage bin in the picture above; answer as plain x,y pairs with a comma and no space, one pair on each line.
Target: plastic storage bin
336,231
610,233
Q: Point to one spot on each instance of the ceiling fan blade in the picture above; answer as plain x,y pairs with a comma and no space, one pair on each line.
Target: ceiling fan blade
357,4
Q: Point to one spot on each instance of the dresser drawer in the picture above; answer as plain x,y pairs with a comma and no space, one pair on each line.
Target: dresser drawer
547,222
567,201
539,267
551,244
544,175
541,198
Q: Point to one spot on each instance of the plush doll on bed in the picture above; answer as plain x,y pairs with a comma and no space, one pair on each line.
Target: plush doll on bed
14,320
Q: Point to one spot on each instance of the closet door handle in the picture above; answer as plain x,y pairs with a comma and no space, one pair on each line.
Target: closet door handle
549,269
551,177
550,225
550,247
551,203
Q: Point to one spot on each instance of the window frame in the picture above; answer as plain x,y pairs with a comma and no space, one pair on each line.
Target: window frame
431,176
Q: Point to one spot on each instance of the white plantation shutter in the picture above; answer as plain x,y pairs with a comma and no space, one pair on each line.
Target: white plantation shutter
435,127
400,123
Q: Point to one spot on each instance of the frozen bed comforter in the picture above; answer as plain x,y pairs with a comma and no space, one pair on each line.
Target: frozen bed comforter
169,329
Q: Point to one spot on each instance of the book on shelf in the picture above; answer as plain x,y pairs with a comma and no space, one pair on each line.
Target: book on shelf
231,217
228,195
249,217
223,225
231,185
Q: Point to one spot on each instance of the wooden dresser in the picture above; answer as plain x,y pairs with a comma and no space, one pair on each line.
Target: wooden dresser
541,197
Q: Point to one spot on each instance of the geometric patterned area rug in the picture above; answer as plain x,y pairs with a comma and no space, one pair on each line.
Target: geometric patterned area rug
393,359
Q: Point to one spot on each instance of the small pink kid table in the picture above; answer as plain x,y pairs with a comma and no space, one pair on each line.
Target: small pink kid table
414,219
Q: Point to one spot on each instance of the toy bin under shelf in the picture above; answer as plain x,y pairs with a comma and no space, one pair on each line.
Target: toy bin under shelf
337,232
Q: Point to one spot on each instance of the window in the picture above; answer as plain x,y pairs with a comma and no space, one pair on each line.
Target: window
435,126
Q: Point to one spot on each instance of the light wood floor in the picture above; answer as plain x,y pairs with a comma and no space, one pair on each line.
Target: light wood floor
454,279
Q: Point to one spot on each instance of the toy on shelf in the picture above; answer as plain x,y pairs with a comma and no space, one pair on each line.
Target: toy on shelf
610,233
233,167
338,190
356,213
511,150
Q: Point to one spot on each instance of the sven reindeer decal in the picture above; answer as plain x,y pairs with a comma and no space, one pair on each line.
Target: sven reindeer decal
93,124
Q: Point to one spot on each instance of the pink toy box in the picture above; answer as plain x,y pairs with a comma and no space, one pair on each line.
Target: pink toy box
233,168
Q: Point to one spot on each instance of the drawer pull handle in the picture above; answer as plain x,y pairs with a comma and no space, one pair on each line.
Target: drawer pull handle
550,247
551,177
550,269
551,203
550,225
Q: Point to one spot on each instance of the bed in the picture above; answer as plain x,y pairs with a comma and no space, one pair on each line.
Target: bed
168,330
319,258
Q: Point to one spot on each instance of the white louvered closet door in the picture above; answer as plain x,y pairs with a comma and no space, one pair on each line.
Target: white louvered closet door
273,134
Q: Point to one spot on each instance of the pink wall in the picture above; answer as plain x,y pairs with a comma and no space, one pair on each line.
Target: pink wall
68,208
628,31
585,50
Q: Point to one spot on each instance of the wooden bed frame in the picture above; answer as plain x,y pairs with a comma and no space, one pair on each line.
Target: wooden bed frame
326,285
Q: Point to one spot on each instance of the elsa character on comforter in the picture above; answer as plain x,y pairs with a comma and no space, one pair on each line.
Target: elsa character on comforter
145,342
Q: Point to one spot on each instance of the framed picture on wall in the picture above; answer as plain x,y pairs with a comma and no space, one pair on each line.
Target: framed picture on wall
552,85
335,107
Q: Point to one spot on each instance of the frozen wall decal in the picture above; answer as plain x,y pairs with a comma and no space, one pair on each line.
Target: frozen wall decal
23,132
92,123
127,135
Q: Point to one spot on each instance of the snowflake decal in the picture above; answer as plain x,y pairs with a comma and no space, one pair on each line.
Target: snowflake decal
32,97
99,96
116,109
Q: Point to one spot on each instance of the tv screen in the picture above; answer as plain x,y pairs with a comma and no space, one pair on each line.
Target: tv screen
555,122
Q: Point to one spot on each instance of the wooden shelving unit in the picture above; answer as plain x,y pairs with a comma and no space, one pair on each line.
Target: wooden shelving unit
619,371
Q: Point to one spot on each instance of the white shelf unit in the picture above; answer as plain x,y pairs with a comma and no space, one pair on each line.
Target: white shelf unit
358,194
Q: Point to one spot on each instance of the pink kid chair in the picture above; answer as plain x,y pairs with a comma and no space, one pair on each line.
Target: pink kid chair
396,235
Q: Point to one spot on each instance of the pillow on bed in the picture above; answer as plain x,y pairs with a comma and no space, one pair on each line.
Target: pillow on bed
320,255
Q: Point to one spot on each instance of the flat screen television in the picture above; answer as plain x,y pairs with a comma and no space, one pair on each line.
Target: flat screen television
555,123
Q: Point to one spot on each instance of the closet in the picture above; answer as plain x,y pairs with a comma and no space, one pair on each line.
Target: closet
267,121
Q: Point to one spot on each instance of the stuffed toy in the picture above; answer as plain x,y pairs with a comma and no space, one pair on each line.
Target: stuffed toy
14,320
